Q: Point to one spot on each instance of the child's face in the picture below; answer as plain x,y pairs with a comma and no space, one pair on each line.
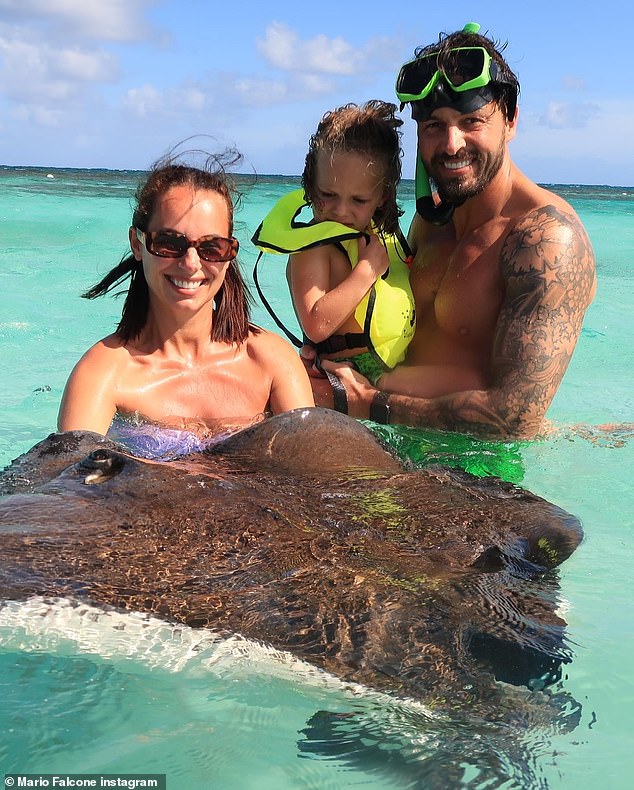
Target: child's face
349,188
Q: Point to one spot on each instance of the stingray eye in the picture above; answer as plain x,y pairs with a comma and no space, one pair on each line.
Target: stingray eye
99,455
101,465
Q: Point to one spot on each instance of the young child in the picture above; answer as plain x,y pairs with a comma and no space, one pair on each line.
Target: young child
349,269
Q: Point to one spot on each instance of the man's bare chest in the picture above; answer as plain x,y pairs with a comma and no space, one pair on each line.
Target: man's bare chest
459,289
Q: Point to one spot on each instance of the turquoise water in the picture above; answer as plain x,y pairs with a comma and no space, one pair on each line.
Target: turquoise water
77,695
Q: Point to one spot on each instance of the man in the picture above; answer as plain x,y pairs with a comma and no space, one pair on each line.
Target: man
503,270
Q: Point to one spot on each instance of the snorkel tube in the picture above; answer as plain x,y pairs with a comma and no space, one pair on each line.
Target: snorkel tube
437,213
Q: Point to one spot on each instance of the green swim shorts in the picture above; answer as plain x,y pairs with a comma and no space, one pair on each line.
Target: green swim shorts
367,365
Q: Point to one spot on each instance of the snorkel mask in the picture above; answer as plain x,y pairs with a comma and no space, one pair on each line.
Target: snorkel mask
465,79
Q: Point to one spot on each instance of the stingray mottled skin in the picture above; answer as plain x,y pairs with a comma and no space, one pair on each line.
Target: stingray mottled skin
306,533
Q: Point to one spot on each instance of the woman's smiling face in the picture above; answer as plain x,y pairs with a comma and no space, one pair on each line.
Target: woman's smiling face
188,279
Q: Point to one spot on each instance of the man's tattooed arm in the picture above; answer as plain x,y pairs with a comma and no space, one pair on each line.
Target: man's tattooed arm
547,265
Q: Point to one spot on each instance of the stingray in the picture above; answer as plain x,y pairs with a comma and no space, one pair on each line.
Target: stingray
306,533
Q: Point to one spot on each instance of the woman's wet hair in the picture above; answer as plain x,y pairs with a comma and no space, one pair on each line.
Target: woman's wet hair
371,129
231,323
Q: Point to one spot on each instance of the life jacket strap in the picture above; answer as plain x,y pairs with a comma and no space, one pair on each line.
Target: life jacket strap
293,338
336,343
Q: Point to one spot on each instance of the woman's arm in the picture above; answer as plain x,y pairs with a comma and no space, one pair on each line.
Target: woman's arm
88,402
290,385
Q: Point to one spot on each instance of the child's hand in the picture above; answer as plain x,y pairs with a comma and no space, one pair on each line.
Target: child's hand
372,251
308,356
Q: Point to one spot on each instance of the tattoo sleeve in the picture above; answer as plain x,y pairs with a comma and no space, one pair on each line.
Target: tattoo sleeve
547,265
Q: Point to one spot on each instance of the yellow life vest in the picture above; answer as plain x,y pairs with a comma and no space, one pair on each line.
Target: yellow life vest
386,313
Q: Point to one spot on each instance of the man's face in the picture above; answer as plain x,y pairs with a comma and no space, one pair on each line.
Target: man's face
463,152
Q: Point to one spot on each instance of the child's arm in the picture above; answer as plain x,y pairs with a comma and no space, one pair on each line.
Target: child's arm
322,309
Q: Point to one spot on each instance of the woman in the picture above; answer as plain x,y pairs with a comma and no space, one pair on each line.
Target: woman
184,354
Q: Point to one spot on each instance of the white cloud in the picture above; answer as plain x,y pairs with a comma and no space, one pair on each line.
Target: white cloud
283,49
573,83
105,20
256,92
60,67
85,66
48,117
50,64
332,56
53,74
144,101
279,46
185,104
315,84
193,98
563,115
574,154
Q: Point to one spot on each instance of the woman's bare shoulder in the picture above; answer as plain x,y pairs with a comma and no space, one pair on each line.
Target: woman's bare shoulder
266,343
90,396
106,354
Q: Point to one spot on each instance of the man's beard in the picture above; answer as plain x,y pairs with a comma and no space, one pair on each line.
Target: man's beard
457,190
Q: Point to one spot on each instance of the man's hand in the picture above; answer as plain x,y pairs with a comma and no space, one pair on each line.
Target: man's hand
358,389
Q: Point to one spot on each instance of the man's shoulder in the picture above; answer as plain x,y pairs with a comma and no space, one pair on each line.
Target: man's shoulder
533,203
548,241
552,219
421,232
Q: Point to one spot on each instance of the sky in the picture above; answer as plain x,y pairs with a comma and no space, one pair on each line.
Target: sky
117,83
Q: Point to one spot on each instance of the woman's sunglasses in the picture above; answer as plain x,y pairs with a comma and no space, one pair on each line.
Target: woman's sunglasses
462,68
170,244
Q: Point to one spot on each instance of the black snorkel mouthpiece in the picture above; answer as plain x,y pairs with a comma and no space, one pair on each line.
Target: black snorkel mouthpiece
426,206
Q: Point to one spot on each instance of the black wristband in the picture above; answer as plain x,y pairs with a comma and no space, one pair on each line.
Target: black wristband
380,408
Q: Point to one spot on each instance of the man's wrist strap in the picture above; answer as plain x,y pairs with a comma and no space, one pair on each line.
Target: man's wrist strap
380,408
